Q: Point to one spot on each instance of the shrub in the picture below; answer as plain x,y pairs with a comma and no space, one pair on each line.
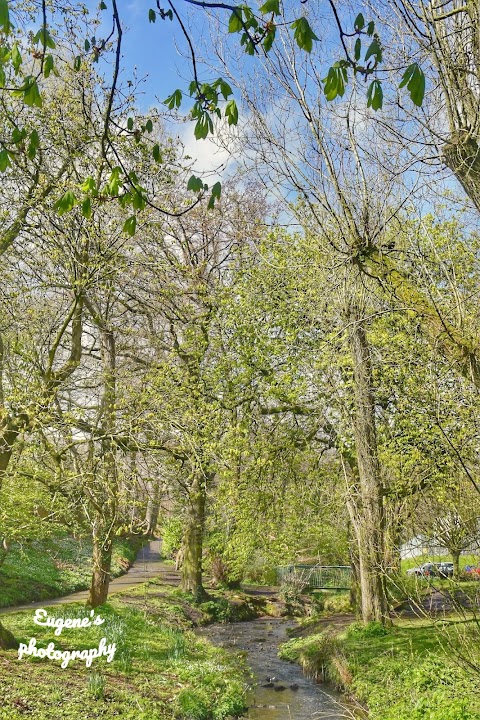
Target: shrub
219,610
338,603
261,572
293,585
172,534
358,631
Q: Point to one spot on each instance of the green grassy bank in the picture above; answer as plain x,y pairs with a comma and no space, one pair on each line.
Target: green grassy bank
43,569
161,670
411,671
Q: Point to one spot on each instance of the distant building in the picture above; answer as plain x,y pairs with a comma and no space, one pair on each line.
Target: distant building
423,545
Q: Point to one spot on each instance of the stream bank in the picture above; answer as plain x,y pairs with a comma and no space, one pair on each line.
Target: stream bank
279,689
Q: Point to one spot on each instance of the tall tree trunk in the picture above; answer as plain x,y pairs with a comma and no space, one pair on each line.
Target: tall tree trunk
355,595
102,562
153,506
369,525
105,489
7,441
192,569
456,561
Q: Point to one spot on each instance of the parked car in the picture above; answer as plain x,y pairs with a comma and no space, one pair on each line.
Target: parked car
431,569
445,569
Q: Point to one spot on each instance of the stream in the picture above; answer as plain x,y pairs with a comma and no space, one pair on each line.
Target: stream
279,690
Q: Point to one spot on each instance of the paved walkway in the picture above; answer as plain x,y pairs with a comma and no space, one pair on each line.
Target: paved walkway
147,565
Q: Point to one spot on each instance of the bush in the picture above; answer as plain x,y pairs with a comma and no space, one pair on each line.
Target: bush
219,610
338,603
172,535
293,585
261,572
359,631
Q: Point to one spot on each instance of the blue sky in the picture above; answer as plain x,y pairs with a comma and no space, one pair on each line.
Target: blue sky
150,47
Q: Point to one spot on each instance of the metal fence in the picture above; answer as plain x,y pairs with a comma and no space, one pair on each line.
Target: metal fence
329,577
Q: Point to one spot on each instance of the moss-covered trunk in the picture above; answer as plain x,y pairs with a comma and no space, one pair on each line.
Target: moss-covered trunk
153,507
369,522
192,568
102,564
104,490
456,561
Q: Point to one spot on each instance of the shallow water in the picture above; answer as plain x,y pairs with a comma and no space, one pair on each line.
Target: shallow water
289,695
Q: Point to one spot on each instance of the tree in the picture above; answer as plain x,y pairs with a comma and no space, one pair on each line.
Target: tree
447,36
60,261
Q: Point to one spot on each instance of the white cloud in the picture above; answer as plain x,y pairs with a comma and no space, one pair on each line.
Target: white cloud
210,156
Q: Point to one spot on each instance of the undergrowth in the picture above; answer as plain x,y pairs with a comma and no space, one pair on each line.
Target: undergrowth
42,569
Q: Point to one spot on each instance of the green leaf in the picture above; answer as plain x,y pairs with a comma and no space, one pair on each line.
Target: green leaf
44,37
4,160
89,185
224,88
231,112
149,126
358,49
156,153
130,123
18,135
66,203
31,93
4,16
130,225
335,81
195,184
235,23
33,144
375,95
304,35
87,208
203,126
374,50
113,184
269,39
138,201
215,195
48,65
370,28
414,79
77,63
359,22
174,100
16,58
152,16
103,6
249,46
271,6
125,199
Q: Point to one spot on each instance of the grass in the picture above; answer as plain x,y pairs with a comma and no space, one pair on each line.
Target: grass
411,671
161,670
43,569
